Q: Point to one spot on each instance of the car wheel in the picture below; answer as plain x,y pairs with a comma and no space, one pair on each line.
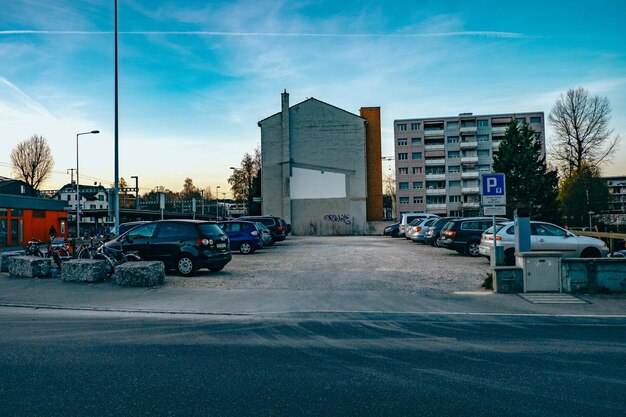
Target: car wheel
394,234
509,257
246,248
590,253
216,268
186,265
472,249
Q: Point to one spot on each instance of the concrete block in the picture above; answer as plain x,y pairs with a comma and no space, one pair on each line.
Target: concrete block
29,267
140,274
508,280
5,259
85,270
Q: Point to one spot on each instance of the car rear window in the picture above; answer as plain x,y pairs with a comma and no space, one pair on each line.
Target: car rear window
210,229
178,230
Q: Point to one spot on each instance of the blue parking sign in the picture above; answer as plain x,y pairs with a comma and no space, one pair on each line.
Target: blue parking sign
493,189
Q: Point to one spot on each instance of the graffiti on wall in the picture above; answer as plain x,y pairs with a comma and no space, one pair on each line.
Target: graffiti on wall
338,218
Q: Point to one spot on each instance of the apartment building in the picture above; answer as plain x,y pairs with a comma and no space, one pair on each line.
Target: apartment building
439,160
617,195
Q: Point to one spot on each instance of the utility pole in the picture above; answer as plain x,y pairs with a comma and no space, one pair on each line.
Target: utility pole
71,172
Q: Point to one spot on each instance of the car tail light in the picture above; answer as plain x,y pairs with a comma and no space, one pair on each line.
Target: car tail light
205,242
450,233
418,228
279,228
491,237
254,233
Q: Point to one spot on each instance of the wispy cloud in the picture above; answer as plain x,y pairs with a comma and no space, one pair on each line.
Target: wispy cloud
24,98
484,34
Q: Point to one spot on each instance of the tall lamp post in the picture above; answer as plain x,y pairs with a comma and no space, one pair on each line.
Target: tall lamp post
78,183
217,202
136,191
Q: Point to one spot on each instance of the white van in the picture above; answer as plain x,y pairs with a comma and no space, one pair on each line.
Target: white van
409,217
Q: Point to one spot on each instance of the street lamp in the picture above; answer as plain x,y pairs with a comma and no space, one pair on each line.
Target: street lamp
136,191
78,183
217,202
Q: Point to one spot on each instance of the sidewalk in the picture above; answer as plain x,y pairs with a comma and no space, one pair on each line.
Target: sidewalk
56,294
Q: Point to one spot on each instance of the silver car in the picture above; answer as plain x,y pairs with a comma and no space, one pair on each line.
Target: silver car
266,235
420,231
543,237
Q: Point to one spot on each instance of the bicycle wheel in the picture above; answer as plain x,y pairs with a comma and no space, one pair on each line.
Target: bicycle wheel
86,253
110,261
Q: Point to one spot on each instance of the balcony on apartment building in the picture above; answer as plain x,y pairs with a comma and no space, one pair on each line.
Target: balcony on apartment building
469,159
467,175
469,144
495,144
436,161
434,207
470,190
498,129
435,191
470,204
441,176
434,147
433,129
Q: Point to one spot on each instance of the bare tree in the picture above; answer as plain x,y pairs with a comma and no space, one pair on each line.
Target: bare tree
583,136
32,161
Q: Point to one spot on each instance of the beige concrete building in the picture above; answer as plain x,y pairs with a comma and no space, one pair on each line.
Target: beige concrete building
315,168
439,160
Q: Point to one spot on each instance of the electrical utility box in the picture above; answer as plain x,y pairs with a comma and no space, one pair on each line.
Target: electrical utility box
541,271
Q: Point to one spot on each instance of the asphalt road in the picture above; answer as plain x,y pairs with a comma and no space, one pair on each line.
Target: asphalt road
55,363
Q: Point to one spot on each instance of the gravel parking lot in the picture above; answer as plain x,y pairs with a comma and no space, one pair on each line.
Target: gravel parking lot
369,263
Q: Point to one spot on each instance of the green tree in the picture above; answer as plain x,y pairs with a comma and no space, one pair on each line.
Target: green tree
32,161
529,181
189,190
242,181
581,192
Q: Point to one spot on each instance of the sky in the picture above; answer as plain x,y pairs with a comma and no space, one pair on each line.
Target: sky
196,76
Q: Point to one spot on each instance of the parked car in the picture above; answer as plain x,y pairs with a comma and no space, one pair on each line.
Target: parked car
434,231
243,235
543,237
266,235
410,229
184,245
419,233
125,227
463,235
407,218
392,230
273,223
618,254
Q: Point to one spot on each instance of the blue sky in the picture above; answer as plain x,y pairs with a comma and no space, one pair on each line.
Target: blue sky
196,76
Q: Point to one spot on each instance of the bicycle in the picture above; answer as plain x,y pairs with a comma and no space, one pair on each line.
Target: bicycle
57,249
88,251
115,257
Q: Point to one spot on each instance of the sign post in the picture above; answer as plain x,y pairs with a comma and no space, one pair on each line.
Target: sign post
493,198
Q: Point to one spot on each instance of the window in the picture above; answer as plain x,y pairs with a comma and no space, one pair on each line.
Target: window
416,141
142,232
17,213
468,123
403,156
482,138
402,126
455,198
520,120
482,123
483,152
92,206
416,155
452,125
402,142
69,197
454,168
39,214
415,126
418,184
101,198
417,170
404,200
403,171
418,200
403,185
535,120
483,168
453,139
454,183
454,154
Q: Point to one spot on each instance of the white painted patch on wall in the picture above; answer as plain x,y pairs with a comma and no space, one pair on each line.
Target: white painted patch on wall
308,183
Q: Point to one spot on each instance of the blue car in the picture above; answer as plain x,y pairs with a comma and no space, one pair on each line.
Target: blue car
244,236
